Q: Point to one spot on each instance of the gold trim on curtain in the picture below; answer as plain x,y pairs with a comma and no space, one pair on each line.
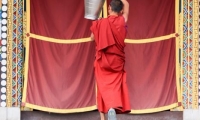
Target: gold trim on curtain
152,110
9,55
178,80
72,41
149,40
85,109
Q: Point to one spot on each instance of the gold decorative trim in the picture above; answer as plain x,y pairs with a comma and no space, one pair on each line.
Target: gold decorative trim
149,40
24,28
178,80
188,66
195,51
24,43
178,63
105,12
181,49
9,54
27,51
14,104
152,110
85,109
26,71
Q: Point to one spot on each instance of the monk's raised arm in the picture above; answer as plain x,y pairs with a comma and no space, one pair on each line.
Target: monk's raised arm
125,9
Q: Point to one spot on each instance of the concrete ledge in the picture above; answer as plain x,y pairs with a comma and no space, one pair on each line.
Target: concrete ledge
191,114
3,114
11,113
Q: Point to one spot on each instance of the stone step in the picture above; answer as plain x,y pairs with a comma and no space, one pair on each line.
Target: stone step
94,115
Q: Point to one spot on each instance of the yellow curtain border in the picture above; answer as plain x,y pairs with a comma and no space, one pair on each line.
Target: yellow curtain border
149,40
75,110
27,52
63,41
181,51
85,109
177,50
153,110
72,41
178,80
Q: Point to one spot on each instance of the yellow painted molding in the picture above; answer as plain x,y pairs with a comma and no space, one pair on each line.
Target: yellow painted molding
178,80
195,50
9,55
27,52
105,12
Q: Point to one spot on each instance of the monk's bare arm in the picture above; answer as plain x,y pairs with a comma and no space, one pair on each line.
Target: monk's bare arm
92,36
125,9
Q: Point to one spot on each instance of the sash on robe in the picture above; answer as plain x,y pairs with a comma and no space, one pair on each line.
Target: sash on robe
109,34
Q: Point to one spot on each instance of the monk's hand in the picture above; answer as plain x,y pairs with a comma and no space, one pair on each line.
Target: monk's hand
99,18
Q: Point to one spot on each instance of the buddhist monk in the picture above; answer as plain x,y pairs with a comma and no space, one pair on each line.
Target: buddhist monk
109,35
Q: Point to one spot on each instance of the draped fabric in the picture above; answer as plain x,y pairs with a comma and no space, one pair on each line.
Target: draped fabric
109,34
60,76
59,19
151,76
151,67
59,71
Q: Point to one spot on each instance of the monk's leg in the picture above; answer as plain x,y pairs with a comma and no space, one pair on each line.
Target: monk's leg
102,115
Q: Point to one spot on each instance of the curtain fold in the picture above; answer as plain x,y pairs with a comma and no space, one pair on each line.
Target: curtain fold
60,76
151,74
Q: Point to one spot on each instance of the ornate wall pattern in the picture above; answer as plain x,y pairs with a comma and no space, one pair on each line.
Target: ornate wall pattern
20,52
185,55
17,48
199,51
9,54
190,55
190,52
195,54
3,52
15,53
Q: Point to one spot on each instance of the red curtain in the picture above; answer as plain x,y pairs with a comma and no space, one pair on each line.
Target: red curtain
63,19
60,76
151,74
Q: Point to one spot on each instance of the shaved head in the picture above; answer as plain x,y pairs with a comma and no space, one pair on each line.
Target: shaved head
116,5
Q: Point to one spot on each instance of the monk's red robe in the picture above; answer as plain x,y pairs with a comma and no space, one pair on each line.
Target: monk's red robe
109,34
